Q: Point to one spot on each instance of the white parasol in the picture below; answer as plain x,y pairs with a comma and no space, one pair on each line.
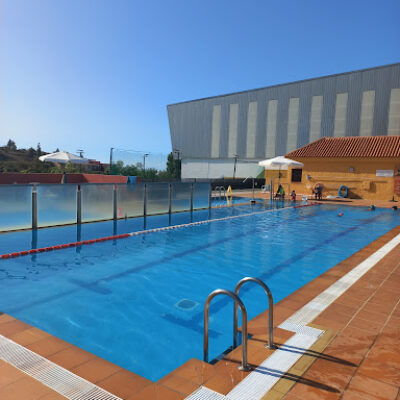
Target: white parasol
280,162
63,157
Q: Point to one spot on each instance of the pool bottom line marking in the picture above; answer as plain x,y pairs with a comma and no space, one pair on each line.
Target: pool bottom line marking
57,378
255,385
144,232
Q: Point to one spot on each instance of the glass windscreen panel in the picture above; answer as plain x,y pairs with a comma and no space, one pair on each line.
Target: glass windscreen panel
97,202
201,195
130,200
15,207
180,196
56,204
157,198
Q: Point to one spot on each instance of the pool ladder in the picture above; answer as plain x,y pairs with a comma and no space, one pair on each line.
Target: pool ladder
222,192
239,304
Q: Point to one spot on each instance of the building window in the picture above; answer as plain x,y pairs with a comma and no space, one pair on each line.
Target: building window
293,122
367,113
296,175
315,118
215,131
251,130
340,115
271,128
233,129
394,113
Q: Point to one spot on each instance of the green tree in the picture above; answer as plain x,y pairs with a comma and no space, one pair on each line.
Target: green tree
116,168
31,152
71,168
11,146
173,167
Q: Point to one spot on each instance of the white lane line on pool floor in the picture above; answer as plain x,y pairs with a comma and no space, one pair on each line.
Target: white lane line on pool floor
59,379
264,377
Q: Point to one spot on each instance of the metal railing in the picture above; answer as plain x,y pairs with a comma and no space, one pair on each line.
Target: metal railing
222,192
252,196
270,344
244,366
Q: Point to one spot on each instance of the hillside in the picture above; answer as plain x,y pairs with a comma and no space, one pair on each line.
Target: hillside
13,159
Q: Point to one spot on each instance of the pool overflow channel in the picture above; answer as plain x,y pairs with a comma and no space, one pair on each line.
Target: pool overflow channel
239,304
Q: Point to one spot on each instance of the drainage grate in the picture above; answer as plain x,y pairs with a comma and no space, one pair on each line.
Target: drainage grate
186,304
204,393
52,375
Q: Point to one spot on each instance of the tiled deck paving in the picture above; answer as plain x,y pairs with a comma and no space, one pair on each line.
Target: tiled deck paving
358,357
340,201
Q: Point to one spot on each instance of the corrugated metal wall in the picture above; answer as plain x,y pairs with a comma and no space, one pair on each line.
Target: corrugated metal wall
196,125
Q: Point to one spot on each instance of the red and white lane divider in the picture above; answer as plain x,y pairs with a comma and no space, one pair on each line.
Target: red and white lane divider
126,235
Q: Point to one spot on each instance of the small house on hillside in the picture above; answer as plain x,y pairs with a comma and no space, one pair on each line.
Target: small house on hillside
368,167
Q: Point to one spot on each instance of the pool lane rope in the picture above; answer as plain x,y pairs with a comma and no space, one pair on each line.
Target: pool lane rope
143,232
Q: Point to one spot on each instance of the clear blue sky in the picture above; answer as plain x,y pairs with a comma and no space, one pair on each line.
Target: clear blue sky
98,74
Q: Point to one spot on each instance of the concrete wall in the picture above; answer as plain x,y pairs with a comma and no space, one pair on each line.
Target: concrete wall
334,172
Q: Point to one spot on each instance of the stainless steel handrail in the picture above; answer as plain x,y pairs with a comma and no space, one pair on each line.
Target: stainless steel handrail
244,366
270,344
222,191
252,197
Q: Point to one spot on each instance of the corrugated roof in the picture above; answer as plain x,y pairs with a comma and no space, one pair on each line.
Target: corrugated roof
352,146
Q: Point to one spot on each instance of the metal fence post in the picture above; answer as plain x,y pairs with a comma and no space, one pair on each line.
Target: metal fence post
210,197
170,199
111,159
270,191
79,205
145,200
34,208
115,203
191,197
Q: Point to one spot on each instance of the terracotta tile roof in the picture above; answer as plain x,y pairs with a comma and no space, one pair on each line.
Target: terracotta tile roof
352,146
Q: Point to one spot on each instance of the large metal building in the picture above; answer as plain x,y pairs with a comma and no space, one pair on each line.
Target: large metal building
211,135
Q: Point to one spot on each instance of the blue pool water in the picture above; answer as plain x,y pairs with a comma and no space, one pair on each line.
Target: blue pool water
138,302
32,239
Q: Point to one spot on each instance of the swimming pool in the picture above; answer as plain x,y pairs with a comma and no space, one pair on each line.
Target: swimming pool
138,302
